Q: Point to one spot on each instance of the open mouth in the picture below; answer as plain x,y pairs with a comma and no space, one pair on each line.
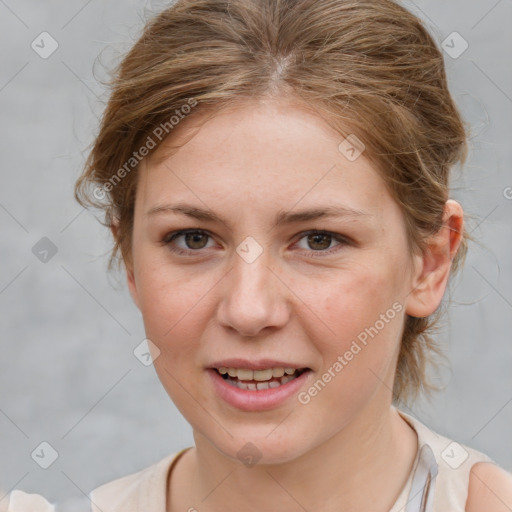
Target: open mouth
256,380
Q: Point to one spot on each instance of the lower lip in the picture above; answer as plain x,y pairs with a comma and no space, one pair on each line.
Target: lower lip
253,400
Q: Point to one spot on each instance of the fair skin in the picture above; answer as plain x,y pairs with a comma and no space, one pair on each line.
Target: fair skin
347,449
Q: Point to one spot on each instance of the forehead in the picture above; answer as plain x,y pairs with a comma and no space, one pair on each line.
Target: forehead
270,152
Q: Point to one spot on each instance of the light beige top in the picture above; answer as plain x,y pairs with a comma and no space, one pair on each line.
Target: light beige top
438,482
439,479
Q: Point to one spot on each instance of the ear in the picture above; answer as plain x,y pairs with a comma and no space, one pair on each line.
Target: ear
432,268
130,279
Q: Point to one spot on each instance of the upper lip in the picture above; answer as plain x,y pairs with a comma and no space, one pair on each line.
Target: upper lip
260,364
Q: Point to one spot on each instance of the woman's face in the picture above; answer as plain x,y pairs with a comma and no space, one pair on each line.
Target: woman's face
256,291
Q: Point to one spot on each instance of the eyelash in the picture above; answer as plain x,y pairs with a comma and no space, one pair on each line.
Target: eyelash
169,238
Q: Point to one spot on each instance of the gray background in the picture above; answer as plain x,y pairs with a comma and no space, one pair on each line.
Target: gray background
68,374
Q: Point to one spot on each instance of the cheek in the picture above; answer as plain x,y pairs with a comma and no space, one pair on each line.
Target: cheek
176,307
172,306
364,315
352,300
169,298
363,310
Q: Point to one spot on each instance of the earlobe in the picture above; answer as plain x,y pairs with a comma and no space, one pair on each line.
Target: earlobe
114,227
130,278
432,268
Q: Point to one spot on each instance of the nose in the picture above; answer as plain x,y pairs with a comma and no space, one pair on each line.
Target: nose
253,298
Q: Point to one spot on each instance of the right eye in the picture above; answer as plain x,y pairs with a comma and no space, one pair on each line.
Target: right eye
193,239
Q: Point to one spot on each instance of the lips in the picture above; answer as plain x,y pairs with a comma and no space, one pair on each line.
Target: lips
245,377
257,385
260,364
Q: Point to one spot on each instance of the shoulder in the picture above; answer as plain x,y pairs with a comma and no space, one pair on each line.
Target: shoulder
490,489
144,489
20,501
119,495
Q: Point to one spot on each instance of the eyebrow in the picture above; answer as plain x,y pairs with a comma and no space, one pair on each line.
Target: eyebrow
282,217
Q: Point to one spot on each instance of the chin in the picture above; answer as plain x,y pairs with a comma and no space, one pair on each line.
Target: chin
258,447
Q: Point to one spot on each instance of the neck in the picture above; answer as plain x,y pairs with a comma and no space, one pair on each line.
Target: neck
363,467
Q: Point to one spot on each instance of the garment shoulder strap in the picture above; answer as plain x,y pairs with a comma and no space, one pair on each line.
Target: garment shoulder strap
444,468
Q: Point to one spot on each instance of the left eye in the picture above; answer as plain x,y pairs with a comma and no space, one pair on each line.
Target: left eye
320,241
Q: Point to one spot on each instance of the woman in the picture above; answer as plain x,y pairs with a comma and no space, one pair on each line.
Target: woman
275,175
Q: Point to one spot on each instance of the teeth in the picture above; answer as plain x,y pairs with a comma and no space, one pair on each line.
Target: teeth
243,374
255,380
262,375
257,375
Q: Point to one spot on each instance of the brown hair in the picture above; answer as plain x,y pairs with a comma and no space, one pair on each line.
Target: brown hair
366,66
